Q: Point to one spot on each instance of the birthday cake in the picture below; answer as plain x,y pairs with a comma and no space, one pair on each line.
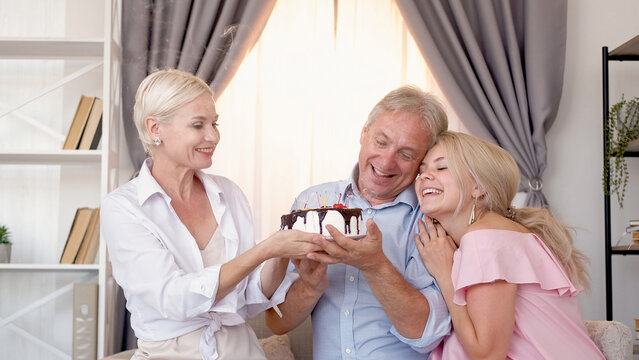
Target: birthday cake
347,220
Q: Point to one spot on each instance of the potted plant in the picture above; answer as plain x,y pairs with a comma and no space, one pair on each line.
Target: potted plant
5,245
622,128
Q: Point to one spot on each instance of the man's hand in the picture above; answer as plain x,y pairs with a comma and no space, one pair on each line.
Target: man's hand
301,298
365,254
312,274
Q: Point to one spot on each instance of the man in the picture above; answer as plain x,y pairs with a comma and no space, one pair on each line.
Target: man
375,299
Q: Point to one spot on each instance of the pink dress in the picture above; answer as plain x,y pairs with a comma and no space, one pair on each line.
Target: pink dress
548,322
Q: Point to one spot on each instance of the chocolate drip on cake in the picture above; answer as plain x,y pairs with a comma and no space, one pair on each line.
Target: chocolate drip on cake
289,219
321,214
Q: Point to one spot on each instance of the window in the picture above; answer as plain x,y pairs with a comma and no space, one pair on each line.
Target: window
293,114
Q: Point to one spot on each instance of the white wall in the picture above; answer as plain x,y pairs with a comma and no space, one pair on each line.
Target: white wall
573,176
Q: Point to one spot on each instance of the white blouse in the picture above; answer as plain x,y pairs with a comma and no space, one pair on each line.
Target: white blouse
214,252
158,264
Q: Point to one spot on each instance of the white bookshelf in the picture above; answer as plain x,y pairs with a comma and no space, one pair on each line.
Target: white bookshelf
53,157
42,185
50,267
51,48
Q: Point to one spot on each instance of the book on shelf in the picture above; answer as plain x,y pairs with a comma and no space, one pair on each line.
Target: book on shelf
89,247
633,223
76,235
85,320
93,129
79,122
632,229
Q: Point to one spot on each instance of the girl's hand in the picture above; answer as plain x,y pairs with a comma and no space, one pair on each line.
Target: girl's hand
436,249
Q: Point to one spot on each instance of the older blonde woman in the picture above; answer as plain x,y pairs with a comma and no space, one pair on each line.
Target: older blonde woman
510,278
181,241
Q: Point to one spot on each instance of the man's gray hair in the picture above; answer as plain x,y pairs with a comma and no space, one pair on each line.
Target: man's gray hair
413,100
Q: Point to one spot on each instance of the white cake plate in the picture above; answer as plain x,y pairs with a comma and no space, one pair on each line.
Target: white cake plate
354,237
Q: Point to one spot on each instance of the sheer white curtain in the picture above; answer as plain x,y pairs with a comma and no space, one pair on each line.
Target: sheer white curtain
293,114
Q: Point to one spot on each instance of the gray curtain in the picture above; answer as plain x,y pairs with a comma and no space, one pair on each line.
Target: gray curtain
500,63
208,38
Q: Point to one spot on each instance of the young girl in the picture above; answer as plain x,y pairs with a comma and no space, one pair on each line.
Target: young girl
510,278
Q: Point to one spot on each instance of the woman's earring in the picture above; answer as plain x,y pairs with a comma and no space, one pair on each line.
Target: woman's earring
157,141
472,213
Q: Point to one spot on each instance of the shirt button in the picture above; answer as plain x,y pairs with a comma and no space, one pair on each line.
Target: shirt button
348,350
369,211
351,278
347,312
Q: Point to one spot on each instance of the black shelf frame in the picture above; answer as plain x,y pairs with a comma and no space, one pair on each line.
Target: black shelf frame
624,252
607,57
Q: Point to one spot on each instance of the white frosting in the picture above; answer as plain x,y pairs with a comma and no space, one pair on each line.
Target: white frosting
332,217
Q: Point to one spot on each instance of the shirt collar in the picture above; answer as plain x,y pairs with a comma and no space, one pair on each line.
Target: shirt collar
148,186
407,196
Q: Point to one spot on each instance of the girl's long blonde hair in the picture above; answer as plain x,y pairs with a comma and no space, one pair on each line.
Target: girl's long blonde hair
496,173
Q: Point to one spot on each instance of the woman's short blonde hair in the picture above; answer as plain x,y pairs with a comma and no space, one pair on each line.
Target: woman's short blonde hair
160,94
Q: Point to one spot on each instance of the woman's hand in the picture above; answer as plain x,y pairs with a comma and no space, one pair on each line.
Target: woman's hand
278,248
293,244
436,249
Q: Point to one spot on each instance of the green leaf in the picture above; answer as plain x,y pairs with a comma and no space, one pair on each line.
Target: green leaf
621,129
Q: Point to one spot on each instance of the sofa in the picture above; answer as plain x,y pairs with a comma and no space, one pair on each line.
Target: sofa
300,340
613,338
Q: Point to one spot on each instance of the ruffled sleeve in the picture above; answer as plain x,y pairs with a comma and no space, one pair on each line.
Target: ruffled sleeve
488,255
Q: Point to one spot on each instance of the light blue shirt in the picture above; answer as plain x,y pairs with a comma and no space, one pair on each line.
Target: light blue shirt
348,321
